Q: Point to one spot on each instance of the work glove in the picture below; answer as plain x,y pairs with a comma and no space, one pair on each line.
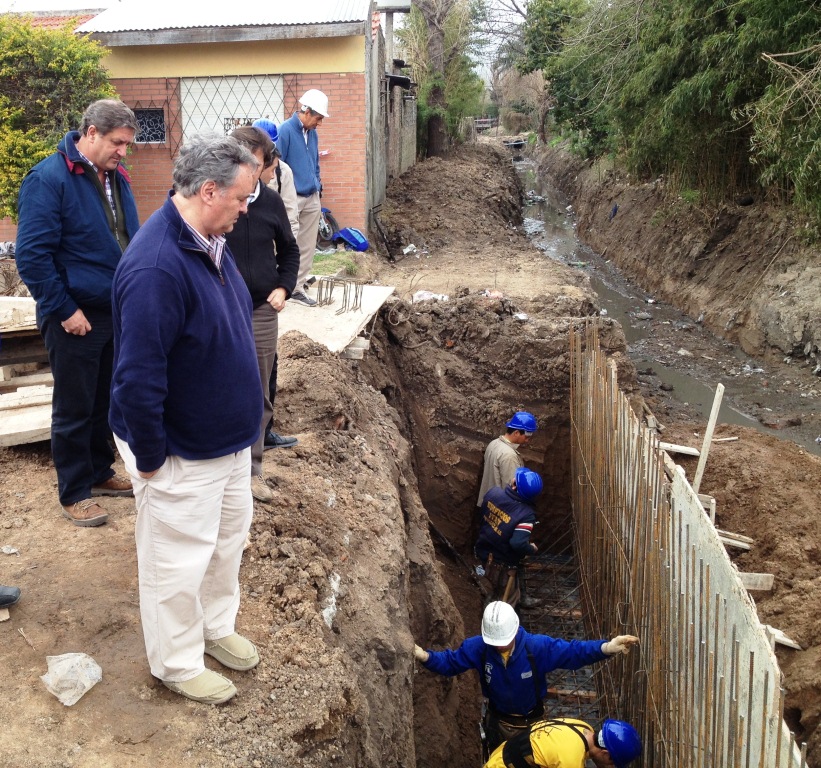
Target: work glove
619,644
420,654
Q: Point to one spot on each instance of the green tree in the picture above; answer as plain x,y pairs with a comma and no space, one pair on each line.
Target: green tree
437,39
47,79
671,84
786,139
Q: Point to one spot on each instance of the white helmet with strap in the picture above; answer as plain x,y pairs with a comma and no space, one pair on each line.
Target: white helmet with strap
499,624
315,100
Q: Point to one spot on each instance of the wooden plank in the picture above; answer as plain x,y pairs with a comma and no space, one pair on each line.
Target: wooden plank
736,536
32,379
729,542
17,313
24,349
776,635
683,449
708,436
25,425
757,582
709,504
26,397
669,465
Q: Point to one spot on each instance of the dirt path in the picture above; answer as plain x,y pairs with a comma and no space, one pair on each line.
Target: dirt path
341,577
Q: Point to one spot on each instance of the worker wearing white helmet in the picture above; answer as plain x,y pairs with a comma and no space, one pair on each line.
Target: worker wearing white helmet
299,145
512,666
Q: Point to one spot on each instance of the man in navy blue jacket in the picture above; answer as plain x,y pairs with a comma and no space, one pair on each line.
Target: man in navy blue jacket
76,216
186,405
299,146
513,665
508,518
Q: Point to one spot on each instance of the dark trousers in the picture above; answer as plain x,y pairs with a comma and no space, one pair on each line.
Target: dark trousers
272,391
80,435
500,727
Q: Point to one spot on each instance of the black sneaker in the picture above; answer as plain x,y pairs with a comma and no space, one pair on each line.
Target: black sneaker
303,299
9,596
273,440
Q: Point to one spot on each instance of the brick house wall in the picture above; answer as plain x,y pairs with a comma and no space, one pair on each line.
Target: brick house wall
150,165
343,169
343,134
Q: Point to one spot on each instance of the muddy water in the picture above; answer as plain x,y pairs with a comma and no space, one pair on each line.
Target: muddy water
672,351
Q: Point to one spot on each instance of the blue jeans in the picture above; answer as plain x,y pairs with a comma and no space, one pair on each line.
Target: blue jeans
80,435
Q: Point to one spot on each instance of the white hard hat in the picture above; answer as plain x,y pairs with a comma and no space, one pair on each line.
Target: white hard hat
499,624
315,100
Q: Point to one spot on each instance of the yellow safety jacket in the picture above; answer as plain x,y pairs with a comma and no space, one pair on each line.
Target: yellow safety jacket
555,743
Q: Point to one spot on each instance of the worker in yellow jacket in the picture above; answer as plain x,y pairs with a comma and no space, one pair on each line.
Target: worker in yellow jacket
567,743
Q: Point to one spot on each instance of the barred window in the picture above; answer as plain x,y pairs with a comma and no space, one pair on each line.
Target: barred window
150,126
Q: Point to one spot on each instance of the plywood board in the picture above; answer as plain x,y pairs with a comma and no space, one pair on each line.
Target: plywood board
324,326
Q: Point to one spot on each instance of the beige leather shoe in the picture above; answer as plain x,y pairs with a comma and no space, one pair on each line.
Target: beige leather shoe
208,687
260,490
234,652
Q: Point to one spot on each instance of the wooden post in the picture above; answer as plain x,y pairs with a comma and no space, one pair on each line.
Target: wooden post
708,436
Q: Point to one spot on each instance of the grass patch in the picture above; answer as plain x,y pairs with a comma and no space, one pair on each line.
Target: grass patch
334,263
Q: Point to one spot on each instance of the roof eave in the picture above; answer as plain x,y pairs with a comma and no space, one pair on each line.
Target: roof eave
230,34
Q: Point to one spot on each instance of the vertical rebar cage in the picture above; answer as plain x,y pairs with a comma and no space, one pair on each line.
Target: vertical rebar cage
704,688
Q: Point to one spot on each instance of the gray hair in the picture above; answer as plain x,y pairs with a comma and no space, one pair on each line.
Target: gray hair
107,115
209,158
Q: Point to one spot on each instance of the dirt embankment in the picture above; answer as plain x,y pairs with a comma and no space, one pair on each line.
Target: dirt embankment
746,269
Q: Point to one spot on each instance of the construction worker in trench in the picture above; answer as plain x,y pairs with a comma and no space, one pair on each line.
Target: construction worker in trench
508,518
512,666
567,743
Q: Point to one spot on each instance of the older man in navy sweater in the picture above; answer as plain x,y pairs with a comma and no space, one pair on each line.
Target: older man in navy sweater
186,406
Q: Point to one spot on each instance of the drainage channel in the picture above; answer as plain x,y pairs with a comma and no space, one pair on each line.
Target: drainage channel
549,222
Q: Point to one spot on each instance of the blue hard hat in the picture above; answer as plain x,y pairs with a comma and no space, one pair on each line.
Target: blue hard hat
528,483
621,740
524,421
269,126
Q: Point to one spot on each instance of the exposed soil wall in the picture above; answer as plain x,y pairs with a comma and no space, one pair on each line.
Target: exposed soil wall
744,268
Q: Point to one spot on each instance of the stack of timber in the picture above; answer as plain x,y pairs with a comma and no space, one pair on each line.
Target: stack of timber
25,380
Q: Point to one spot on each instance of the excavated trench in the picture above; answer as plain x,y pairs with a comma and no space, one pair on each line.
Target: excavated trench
444,368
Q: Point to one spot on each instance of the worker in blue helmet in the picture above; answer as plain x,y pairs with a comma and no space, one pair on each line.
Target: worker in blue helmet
508,519
567,743
502,457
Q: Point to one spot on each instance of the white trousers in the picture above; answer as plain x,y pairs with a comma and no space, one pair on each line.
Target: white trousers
310,209
192,520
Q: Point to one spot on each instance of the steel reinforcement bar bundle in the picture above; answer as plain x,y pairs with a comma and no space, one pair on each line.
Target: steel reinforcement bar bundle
705,688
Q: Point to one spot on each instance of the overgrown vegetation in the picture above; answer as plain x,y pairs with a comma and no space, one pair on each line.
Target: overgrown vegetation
48,78
438,39
715,95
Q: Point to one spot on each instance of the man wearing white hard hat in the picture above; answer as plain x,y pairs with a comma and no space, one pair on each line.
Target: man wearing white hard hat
299,145
512,666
